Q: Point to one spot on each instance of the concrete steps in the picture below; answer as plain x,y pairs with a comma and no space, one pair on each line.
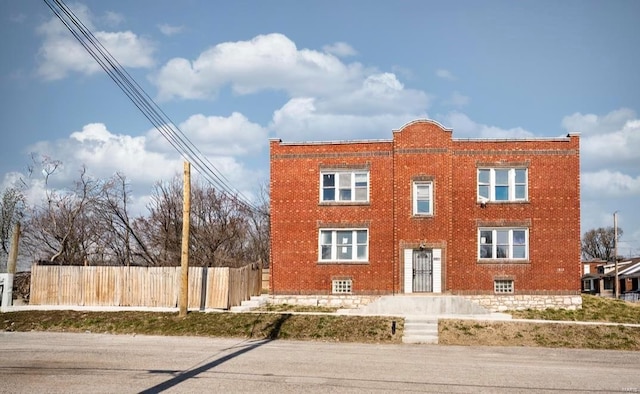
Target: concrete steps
253,303
420,329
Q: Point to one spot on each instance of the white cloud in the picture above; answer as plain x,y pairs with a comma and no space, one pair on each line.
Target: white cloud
457,100
301,120
609,141
60,53
379,94
445,74
265,62
215,135
147,159
605,183
594,124
340,49
169,30
464,127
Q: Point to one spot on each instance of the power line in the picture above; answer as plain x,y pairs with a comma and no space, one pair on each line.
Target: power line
145,104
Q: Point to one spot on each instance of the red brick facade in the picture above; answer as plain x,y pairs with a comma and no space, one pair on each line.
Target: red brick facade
460,220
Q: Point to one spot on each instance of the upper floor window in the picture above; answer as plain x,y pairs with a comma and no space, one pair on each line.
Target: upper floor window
502,184
344,186
344,245
422,198
503,243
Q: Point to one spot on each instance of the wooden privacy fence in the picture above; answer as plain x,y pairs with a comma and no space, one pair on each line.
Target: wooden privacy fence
215,288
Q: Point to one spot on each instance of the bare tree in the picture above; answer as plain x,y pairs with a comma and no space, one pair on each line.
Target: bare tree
599,243
259,230
219,229
122,243
223,231
63,230
161,230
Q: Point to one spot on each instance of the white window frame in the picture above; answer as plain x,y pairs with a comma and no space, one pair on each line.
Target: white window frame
512,184
416,186
510,243
503,286
341,286
337,248
352,187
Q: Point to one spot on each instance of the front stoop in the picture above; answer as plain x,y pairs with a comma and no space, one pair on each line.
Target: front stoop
420,329
253,303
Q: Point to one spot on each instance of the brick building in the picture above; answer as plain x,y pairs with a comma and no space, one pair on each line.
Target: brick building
425,212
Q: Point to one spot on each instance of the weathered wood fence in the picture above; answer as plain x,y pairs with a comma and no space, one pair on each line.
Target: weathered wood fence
209,288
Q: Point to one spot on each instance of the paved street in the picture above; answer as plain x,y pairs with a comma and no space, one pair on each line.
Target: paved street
97,363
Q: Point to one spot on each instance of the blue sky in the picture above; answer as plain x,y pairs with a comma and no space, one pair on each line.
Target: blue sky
233,74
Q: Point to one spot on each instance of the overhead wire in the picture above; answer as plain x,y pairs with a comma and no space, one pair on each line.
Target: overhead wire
145,104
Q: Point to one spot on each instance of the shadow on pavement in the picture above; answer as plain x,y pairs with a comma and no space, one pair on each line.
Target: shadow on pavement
273,334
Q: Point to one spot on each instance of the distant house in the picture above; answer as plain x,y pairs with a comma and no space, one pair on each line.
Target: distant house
424,212
601,281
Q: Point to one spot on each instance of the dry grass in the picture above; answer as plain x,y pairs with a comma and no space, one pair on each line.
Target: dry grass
594,309
322,327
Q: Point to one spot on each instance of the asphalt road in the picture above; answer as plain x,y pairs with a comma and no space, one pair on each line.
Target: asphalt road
37,362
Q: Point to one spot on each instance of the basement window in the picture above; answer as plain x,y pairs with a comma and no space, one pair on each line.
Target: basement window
503,286
341,286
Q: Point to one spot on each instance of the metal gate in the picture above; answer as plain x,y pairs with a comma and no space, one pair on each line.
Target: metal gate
422,271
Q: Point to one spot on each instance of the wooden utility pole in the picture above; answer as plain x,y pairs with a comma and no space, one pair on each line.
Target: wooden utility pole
615,252
6,296
13,252
184,261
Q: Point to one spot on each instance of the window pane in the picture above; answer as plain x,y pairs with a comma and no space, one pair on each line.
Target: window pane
329,195
519,237
486,252
345,180
521,176
520,192
486,237
484,176
325,237
519,252
503,237
361,237
361,179
422,191
326,252
345,252
424,206
502,252
502,193
328,180
344,237
361,194
362,252
345,194
502,177
483,191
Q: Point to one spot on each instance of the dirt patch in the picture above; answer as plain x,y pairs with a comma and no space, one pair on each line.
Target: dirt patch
506,333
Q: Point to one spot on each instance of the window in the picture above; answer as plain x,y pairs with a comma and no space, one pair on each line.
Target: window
344,245
344,186
503,243
503,286
342,286
422,198
502,184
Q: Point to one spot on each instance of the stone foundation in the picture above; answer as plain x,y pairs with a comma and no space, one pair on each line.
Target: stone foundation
494,303
501,303
337,301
